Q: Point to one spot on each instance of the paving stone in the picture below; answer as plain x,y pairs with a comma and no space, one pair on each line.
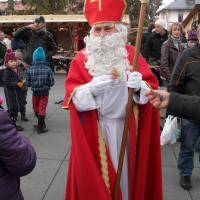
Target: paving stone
34,185
168,158
57,189
50,145
195,192
171,188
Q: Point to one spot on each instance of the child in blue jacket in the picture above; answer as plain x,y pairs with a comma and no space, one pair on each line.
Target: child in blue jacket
40,78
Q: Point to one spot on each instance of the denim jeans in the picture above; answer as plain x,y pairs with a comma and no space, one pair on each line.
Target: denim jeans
190,132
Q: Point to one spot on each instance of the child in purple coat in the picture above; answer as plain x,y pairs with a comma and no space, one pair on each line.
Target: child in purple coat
17,158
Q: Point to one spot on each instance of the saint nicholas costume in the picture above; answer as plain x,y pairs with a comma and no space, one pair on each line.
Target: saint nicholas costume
96,131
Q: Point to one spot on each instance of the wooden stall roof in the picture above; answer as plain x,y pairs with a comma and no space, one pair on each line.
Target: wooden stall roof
48,18
191,15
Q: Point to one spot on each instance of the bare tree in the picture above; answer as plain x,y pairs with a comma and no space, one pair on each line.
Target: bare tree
133,10
152,8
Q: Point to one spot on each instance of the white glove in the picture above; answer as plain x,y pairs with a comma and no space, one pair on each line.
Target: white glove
134,80
102,84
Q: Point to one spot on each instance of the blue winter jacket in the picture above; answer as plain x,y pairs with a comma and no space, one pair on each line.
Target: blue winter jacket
40,78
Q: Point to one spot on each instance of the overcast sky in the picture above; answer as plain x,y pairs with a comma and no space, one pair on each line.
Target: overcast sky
166,2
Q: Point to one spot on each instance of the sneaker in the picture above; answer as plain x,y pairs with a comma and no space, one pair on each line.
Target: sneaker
185,182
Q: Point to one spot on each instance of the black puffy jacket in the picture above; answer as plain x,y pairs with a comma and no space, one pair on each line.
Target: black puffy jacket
153,45
35,38
184,106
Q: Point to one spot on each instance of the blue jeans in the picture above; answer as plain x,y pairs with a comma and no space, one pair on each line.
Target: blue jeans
190,132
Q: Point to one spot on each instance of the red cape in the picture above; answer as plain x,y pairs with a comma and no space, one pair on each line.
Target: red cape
85,180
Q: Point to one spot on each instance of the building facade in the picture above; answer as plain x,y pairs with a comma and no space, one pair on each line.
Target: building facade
177,11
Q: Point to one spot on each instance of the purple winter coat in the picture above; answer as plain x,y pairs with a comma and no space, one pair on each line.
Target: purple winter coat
17,158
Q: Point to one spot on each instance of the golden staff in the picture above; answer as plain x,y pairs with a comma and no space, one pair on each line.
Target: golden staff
129,107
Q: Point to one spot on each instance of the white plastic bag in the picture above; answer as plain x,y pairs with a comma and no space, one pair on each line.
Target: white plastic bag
170,132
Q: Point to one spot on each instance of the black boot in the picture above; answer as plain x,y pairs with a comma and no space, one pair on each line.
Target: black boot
23,114
18,127
41,125
36,114
197,147
36,125
185,182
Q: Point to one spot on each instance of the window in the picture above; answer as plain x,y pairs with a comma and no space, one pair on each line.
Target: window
180,17
190,2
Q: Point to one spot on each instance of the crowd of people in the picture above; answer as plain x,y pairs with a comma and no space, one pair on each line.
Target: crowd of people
176,68
97,87
31,46
27,62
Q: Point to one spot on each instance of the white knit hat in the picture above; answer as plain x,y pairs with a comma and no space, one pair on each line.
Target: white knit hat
162,23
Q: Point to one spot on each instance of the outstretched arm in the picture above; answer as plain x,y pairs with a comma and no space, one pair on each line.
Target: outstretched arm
177,104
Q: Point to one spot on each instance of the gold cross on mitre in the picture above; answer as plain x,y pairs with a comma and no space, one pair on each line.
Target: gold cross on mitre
99,3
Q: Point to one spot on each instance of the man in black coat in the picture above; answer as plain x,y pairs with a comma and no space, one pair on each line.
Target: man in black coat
35,35
145,36
186,80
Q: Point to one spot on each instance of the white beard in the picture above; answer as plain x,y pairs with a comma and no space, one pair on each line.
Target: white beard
105,53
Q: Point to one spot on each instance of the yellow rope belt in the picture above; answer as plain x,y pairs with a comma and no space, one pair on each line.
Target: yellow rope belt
103,158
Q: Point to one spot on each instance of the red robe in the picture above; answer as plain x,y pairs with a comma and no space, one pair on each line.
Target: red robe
85,180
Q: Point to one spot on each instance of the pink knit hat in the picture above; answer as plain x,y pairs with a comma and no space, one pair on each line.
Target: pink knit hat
1,100
10,55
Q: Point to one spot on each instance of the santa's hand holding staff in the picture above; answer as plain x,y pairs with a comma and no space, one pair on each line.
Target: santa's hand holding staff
97,94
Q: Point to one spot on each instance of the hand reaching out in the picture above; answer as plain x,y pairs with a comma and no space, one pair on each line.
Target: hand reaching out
159,98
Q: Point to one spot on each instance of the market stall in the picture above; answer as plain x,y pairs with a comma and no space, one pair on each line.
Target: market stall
68,30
